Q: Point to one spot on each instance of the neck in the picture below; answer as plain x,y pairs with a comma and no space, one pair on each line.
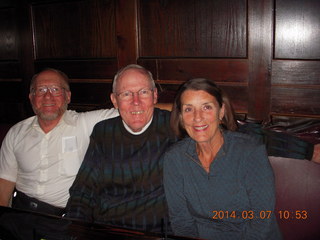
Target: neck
207,151
48,125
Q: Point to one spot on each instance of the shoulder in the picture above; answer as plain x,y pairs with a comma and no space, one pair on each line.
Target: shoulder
20,129
240,138
24,124
107,124
243,146
161,113
178,148
102,113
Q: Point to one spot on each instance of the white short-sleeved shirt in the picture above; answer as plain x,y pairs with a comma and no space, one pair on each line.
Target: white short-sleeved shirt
44,165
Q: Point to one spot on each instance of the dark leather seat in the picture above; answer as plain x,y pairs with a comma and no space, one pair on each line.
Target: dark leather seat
297,198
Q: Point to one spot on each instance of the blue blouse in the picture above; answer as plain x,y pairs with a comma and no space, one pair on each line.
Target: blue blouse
235,200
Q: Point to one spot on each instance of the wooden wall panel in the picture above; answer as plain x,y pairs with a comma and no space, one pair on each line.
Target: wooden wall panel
95,94
259,56
83,69
297,32
8,36
180,70
296,64
187,28
243,45
296,72
76,29
126,32
295,101
10,70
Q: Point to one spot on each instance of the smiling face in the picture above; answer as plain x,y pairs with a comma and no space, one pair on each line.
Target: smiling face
136,111
200,115
47,106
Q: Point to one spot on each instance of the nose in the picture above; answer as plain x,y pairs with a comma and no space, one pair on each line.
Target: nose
197,116
48,94
135,98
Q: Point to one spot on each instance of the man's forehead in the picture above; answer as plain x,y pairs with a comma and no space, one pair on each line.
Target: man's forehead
133,76
48,76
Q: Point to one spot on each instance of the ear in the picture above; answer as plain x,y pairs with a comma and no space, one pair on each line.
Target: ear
68,96
114,100
155,96
222,112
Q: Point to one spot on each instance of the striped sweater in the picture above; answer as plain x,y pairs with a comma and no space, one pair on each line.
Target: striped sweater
120,180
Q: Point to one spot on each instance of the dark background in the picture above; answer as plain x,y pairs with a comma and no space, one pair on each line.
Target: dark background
264,53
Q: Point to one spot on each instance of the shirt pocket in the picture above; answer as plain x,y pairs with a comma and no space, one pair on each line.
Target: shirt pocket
69,163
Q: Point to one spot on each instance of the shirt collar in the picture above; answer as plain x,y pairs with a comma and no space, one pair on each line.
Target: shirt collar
137,133
66,118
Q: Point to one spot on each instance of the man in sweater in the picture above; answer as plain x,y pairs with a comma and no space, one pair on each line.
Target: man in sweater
120,180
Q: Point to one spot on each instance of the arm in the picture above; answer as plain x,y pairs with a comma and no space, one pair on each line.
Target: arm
8,169
259,182
279,144
181,220
6,190
84,191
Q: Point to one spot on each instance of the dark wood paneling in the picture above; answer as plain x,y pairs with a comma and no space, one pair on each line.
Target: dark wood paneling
82,69
12,112
76,29
10,70
90,93
297,32
127,32
260,54
295,101
9,34
231,42
188,28
296,72
12,91
238,96
178,70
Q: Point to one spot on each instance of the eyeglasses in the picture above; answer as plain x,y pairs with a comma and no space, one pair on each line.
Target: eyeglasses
54,90
128,95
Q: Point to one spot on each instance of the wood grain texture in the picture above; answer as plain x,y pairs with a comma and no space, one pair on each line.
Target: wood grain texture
296,72
297,32
82,68
260,55
295,101
179,70
187,28
75,29
9,35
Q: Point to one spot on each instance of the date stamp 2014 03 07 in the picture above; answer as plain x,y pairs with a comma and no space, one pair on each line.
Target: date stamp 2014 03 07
250,214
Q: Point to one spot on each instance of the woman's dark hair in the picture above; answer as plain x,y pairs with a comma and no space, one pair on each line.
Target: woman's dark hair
196,84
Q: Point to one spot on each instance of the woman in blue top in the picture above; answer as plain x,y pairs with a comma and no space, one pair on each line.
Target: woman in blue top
219,184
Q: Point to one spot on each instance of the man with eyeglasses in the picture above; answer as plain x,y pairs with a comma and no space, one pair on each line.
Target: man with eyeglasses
40,156
120,180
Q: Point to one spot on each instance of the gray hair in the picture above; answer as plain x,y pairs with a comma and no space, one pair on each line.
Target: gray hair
137,67
64,78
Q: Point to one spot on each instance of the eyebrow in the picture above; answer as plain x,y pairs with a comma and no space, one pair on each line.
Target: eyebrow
188,104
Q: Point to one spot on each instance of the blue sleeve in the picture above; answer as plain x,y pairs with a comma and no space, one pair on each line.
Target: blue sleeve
181,220
259,181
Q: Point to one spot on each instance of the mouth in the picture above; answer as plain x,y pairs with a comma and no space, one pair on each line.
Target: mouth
199,128
137,112
48,104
